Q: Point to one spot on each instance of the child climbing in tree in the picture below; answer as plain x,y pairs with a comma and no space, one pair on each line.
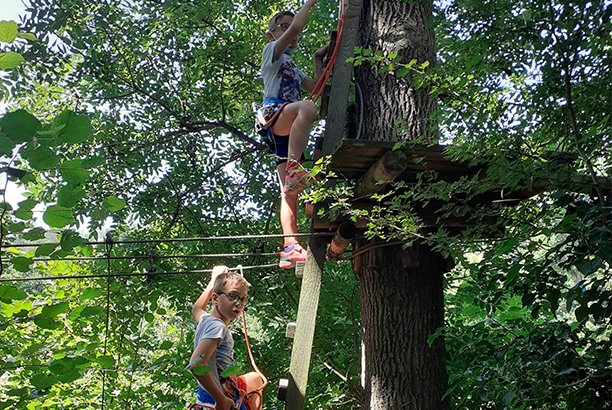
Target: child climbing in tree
287,135
214,346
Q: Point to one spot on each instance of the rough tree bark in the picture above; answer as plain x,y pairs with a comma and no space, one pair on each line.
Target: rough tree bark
402,304
401,291
396,27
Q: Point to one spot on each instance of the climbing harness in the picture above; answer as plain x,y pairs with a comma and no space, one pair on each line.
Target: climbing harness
266,114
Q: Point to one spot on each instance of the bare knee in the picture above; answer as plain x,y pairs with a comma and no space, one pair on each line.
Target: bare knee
310,110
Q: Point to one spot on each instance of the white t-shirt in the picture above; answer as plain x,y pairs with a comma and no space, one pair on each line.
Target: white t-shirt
281,78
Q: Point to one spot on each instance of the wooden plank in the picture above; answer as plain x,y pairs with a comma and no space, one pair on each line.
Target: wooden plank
341,81
352,158
305,324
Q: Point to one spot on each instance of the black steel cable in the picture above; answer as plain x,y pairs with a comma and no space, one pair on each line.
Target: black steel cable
207,238
136,257
123,275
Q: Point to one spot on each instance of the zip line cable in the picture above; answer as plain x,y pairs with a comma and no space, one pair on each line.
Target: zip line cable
169,240
137,257
127,275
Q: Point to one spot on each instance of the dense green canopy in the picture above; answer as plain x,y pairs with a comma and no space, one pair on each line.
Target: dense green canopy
134,118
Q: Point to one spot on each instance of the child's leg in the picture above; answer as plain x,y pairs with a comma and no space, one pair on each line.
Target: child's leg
296,120
288,207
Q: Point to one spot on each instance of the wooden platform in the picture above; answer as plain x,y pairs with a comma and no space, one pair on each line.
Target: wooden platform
353,158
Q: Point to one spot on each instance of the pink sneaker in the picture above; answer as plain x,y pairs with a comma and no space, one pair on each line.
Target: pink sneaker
293,252
296,177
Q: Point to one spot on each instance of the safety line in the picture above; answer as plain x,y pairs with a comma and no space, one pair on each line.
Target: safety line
136,257
127,275
320,85
169,240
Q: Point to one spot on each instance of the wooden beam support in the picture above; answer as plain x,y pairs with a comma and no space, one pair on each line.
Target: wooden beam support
305,324
386,169
342,76
344,236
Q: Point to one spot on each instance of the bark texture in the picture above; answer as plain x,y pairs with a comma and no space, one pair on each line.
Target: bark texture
396,27
402,304
402,297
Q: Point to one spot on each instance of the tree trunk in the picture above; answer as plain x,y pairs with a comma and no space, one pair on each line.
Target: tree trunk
402,299
396,27
402,305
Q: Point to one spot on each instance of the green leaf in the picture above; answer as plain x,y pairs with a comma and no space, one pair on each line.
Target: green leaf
402,72
514,270
20,126
433,337
112,204
42,381
201,370
9,293
54,310
582,313
73,172
23,215
8,31
69,377
27,205
73,128
41,158
90,293
149,317
10,60
107,362
21,263
166,345
46,323
62,366
17,227
45,249
28,36
471,310
69,240
91,311
68,196
17,392
230,371
57,217
35,234
508,396
507,245
6,145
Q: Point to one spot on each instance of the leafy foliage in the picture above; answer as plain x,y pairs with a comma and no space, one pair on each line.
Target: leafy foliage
133,119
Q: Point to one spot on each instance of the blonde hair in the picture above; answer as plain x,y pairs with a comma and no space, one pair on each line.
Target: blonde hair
228,278
278,16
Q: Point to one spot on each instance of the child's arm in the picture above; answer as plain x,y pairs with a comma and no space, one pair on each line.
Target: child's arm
206,348
294,30
199,306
